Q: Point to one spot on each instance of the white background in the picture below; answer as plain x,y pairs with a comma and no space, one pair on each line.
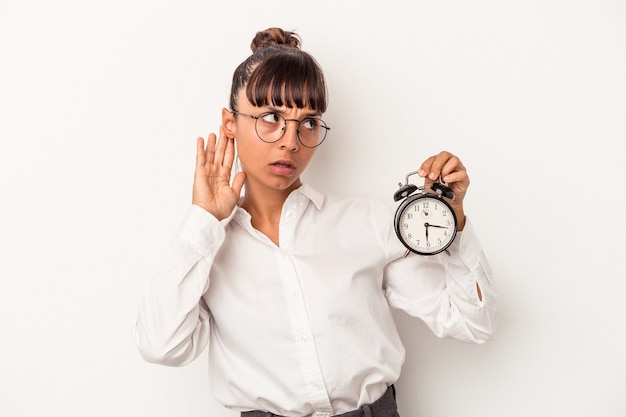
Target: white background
100,105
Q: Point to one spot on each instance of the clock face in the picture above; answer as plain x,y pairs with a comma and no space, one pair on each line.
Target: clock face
425,224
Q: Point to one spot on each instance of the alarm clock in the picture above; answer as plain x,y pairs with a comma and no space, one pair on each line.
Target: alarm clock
424,222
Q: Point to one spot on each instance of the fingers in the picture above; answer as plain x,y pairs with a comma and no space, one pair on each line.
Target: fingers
220,148
445,165
210,149
200,156
228,146
218,152
238,182
205,155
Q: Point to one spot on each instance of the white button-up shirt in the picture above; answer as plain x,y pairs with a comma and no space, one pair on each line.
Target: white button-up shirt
305,328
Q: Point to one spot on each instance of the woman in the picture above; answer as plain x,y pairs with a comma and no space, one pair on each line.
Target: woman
291,289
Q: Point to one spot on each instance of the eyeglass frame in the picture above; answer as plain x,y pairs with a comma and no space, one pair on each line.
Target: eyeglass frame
256,119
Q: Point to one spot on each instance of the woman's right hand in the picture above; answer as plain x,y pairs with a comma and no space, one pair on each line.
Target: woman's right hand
211,184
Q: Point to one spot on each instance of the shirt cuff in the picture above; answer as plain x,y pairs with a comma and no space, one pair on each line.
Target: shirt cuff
467,246
201,230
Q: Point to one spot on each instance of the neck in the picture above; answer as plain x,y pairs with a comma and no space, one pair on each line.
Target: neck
265,207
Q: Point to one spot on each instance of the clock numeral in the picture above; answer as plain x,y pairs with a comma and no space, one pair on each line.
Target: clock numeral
409,216
409,236
426,204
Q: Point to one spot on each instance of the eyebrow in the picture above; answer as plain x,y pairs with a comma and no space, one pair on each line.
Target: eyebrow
281,112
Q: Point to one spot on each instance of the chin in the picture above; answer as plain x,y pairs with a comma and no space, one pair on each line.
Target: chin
288,184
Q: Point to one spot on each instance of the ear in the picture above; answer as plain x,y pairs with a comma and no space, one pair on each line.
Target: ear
228,121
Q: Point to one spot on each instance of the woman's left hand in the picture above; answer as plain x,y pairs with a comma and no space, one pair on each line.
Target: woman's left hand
452,172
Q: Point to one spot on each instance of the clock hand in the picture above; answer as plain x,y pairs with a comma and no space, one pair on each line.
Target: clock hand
434,225
426,226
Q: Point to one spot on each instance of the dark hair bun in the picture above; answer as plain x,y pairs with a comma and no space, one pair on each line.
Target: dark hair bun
275,36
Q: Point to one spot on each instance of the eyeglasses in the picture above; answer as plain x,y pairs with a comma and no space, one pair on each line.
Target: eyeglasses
270,127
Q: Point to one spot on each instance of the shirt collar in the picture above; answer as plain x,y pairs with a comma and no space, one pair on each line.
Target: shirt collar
304,192
312,194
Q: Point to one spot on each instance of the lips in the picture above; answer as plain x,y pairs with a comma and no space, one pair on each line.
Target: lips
284,164
283,167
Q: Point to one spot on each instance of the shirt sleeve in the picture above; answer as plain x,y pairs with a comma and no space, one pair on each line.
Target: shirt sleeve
172,326
452,292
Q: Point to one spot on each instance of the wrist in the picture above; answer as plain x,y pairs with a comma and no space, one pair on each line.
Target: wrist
460,219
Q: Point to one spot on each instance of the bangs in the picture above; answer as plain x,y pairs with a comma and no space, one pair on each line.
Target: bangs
288,80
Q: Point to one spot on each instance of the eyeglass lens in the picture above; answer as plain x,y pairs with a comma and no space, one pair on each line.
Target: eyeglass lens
271,127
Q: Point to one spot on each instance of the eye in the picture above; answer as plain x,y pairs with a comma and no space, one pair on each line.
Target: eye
310,124
270,118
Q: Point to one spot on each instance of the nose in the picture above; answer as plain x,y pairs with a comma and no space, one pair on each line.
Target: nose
290,135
